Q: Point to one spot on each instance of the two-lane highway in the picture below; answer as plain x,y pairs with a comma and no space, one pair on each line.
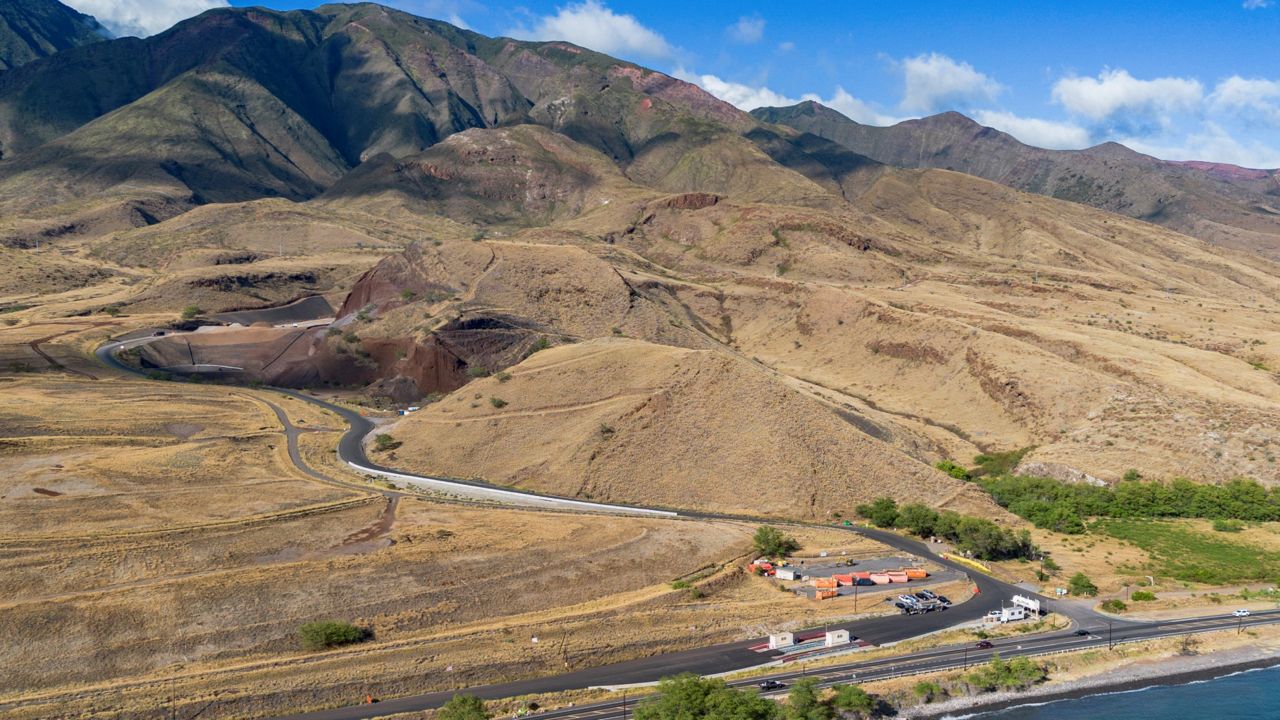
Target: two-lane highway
716,659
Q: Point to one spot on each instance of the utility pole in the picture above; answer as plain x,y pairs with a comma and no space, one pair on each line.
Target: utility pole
1110,645
624,705
966,657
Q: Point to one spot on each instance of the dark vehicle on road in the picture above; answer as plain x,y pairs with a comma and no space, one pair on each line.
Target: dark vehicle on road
772,685
1082,633
985,645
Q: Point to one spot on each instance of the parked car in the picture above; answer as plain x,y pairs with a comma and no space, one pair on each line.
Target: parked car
1241,613
985,645
909,599
943,599
927,595
922,596
772,685
1082,633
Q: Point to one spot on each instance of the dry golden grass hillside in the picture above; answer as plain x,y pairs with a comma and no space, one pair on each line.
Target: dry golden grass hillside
623,420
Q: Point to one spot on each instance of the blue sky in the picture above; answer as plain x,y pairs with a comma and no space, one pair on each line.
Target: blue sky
1179,79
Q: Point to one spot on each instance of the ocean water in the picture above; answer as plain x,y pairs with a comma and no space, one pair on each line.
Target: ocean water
1254,694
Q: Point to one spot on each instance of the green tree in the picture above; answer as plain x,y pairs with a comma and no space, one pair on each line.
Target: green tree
329,633
463,707
690,697
772,542
918,519
853,699
1080,584
803,702
191,311
882,513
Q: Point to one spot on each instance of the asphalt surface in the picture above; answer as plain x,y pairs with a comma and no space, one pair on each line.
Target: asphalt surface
716,659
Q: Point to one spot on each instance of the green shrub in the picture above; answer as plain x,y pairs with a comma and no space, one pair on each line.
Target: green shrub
463,707
1228,526
1114,606
1142,596
350,337
191,311
329,633
1081,585
690,697
954,470
541,343
772,542
1016,674
385,443
503,376
407,295
476,371
681,585
853,699
929,691
497,402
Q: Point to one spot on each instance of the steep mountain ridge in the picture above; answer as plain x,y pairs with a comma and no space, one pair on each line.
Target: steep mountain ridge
1228,206
34,29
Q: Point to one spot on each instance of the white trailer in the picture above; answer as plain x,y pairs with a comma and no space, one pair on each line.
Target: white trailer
837,637
788,574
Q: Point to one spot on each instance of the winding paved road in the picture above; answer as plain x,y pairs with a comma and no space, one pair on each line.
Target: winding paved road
716,659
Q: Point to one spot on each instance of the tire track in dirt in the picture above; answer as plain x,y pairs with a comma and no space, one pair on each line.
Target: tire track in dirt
35,347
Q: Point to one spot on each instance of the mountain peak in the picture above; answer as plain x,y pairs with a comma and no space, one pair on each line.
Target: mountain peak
34,29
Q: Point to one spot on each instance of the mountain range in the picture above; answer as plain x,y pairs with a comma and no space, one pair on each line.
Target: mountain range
1223,204
685,299
34,29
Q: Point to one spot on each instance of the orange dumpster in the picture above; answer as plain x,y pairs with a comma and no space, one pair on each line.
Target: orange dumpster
880,579
916,573
825,583
825,594
843,579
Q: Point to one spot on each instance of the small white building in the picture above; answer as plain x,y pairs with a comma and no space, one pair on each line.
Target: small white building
1009,614
781,640
837,637
788,574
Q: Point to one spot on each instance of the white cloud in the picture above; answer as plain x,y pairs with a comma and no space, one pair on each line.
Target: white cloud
750,97
936,82
854,109
747,29
1118,98
786,47
1257,4
143,17
1213,143
1033,131
743,97
1248,98
593,25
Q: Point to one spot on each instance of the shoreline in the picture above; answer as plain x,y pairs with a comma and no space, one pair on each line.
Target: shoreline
1158,675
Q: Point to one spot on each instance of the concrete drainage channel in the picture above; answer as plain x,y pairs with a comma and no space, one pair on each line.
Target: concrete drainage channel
509,497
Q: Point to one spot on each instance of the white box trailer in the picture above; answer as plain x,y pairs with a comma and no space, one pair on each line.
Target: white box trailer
788,574
837,637
781,640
